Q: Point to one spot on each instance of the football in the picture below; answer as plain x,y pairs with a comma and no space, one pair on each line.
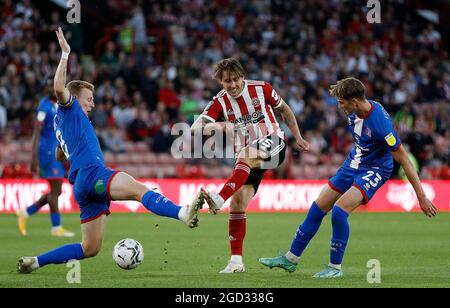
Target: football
128,254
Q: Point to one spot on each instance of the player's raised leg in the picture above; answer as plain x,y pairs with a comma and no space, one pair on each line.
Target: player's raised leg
305,232
237,228
346,204
124,187
92,232
249,158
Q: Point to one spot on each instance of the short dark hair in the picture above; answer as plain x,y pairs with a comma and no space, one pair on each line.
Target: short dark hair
348,89
75,86
231,65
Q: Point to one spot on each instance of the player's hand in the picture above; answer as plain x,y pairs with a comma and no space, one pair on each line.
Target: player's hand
34,168
62,40
302,145
428,207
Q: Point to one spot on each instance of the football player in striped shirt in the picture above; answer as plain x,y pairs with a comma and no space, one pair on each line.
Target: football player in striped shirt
248,107
368,166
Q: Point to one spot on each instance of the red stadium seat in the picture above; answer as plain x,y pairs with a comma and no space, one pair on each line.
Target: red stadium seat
141,146
23,157
109,158
164,158
26,147
136,158
130,146
122,158
149,158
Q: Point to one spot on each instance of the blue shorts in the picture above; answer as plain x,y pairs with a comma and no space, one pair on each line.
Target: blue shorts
367,180
91,191
49,167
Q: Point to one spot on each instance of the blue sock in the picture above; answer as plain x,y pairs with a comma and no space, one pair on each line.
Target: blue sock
160,205
341,233
56,219
62,254
32,209
307,230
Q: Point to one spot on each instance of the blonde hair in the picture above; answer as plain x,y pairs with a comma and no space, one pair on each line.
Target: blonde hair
348,89
75,86
231,65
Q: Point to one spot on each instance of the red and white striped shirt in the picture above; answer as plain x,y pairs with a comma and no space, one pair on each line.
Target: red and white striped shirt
251,111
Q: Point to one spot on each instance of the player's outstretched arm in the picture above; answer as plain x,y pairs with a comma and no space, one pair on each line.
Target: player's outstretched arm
61,92
291,122
401,156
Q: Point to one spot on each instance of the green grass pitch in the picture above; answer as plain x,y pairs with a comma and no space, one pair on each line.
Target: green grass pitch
414,251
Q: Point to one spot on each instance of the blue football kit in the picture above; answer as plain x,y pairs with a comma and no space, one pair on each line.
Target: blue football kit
370,163
49,167
88,173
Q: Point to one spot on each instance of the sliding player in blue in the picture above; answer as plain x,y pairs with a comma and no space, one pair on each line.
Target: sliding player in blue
45,165
94,184
368,166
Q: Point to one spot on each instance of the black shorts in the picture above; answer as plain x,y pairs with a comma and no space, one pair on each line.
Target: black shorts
275,149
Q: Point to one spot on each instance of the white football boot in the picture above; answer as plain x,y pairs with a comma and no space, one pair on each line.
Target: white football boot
215,201
61,232
26,265
233,267
189,214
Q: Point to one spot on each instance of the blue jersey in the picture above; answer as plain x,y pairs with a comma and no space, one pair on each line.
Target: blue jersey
374,138
45,114
77,139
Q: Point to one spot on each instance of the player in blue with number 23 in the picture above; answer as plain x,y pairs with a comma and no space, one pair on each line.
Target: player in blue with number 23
368,166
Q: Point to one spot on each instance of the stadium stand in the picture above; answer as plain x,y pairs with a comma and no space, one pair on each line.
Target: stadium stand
154,70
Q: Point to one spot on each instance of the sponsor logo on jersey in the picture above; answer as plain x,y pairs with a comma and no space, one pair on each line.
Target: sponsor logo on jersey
390,139
253,118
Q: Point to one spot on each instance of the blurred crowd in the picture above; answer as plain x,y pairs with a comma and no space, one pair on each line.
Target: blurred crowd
152,67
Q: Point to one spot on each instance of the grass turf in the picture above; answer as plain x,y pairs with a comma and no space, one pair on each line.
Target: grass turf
413,250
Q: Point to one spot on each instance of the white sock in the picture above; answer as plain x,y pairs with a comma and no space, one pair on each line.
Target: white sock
236,259
56,228
182,214
35,264
291,257
336,266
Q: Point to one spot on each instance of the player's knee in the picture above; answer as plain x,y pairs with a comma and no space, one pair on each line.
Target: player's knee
324,205
251,162
237,208
235,202
91,249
